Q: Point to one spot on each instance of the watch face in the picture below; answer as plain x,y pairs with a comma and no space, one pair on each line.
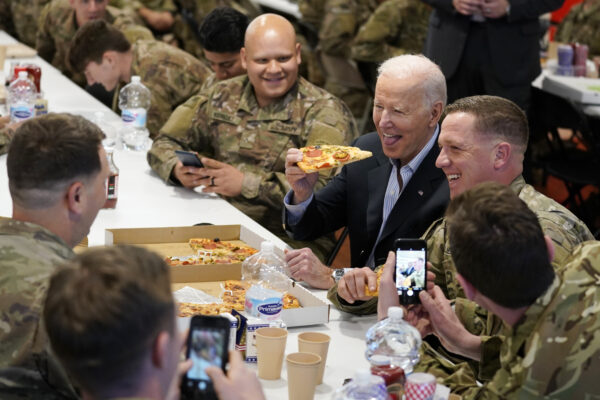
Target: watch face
337,274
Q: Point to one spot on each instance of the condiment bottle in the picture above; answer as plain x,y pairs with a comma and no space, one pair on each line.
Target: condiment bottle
112,183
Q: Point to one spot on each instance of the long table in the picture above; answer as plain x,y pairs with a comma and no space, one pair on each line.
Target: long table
146,201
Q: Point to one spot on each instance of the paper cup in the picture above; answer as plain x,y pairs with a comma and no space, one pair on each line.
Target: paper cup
302,370
419,385
270,346
318,343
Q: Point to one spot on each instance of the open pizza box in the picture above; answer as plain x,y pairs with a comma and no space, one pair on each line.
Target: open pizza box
174,241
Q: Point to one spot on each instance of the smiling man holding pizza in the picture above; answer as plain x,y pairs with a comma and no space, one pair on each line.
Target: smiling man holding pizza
395,193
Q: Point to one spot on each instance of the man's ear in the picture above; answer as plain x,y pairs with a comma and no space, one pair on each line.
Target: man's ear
75,198
161,349
469,289
502,154
436,113
298,53
549,247
243,57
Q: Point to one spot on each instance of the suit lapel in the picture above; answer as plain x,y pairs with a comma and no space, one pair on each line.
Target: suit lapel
377,184
416,192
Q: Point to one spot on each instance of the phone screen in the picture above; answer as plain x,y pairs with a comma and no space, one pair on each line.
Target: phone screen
410,271
207,347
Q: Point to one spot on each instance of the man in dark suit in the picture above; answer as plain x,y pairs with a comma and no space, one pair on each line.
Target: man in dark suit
395,193
487,46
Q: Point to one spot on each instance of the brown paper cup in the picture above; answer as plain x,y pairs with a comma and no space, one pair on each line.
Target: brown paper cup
270,347
302,370
318,343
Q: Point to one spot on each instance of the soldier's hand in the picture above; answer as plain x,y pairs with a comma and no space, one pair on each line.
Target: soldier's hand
468,7
388,294
189,177
221,178
159,20
447,327
302,183
352,285
305,266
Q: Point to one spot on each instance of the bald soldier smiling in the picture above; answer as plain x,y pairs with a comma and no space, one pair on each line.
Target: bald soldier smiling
243,127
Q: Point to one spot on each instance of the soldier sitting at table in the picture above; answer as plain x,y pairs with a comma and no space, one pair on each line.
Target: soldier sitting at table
221,35
104,54
551,318
19,19
57,172
60,20
134,352
243,127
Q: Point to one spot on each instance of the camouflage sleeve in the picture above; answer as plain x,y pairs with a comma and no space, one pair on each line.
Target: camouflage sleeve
435,237
357,308
328,121
371,43
179,132
44,44
5,137
338,27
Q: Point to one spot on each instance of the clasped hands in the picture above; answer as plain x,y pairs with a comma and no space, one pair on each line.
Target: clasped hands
487,8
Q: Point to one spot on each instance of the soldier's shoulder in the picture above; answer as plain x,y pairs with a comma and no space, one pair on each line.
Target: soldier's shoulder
312,93
56,11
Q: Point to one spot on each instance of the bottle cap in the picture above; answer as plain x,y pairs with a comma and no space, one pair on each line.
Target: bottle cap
23,74
267,246
362,376
135,79
395,313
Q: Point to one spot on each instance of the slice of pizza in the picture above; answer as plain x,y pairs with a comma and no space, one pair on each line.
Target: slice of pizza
324,157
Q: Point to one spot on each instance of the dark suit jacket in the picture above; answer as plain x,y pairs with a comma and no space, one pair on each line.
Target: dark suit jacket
513,41
354,198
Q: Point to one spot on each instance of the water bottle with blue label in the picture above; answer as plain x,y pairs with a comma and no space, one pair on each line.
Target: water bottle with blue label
134,102
363,386
21,98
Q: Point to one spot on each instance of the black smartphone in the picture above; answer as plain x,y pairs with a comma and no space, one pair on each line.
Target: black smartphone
189,158
410,273
207,345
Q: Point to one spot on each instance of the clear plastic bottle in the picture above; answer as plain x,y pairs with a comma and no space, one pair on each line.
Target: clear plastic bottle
111,138
134,102
363,386
395,338
21,98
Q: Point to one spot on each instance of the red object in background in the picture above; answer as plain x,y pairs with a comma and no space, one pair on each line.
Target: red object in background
559,14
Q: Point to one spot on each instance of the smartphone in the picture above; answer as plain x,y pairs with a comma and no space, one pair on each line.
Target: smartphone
189,158
207,345
410,273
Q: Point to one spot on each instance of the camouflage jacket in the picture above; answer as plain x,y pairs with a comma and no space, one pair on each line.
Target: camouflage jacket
57,26
157,5
19,18
396,27
553,352
29,254
5,138
341,21
581,26
171,74
225,122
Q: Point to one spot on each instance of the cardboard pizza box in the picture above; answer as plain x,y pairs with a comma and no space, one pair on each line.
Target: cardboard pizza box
174,241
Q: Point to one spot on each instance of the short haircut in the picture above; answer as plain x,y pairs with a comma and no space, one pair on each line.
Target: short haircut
47,154
223,30
92,40
497,117
497,245
425,73
103,311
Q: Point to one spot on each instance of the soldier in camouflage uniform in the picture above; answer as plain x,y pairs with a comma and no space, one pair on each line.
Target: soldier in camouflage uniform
19,18
551,319
582,25
396,27
57,171
59,22
172,75
246,124
478,129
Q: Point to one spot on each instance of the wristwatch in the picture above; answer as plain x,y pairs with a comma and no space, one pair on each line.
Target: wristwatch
338,273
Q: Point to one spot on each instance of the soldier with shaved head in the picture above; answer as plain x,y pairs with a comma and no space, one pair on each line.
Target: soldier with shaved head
243,127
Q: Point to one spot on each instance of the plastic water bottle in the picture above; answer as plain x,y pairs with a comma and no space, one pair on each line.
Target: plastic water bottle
21,98
363,386
134,102
111,140
396,339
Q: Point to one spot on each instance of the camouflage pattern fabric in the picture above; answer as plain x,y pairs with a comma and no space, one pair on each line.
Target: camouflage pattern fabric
582,26
225,123
553,352
171,74
5,138
156,5
395,28
19,18
312,12
29,254
57,26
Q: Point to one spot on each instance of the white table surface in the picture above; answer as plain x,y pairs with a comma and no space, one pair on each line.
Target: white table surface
146,201
283,6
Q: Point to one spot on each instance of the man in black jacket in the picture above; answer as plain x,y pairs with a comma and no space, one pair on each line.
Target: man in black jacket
396,193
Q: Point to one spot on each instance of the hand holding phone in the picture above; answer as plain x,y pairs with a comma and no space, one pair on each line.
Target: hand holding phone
189,158
207,345
410,273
